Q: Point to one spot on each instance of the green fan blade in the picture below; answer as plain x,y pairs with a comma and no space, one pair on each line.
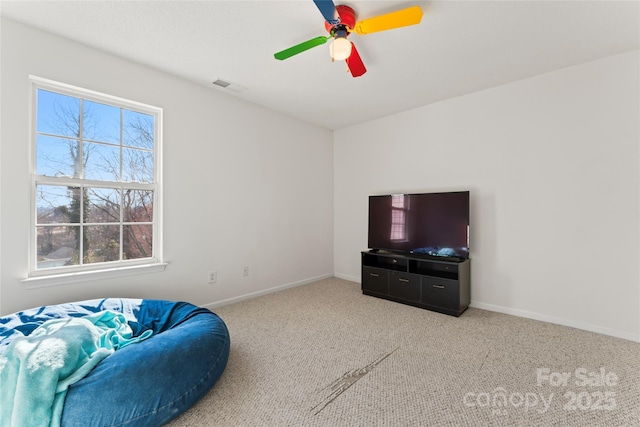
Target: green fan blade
299,48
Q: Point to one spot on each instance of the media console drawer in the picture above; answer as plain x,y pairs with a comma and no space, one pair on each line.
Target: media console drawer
375,280
405,286
440,292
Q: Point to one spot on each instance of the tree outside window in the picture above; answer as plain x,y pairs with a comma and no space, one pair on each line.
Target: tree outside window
95,180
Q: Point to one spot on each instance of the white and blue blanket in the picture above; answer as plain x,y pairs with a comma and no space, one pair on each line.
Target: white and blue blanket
37,366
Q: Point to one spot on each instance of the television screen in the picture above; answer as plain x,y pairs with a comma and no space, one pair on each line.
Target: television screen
435,224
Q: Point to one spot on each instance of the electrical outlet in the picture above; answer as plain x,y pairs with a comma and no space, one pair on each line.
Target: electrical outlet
245,271
213,277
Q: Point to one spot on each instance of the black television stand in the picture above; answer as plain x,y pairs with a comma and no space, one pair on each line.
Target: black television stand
438,285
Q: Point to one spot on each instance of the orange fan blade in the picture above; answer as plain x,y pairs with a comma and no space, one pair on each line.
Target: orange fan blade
389,21
354,62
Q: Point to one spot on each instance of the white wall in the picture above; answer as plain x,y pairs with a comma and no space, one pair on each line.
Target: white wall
551,161
244,186
552,166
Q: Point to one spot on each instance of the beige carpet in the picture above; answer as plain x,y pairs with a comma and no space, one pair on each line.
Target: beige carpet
325,355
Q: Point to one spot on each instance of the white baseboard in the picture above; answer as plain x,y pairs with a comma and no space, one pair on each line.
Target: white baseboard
536,316
346,277
558,321
267,291
484,306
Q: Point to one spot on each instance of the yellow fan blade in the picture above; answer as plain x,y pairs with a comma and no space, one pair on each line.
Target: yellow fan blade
389,21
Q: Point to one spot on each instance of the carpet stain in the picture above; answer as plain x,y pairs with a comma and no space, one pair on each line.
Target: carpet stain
484,360
348,379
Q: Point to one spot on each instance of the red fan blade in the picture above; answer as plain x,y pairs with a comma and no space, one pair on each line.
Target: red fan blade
354,62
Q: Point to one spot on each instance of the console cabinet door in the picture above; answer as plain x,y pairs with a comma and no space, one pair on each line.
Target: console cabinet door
441,292
405,286
375,280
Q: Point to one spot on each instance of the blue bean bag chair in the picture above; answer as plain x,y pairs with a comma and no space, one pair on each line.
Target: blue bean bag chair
147,383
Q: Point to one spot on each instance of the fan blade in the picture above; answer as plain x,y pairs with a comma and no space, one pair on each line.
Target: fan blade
389,21
328,10
299,48
354,62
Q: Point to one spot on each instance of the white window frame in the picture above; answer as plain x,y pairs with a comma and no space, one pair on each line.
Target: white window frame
78,273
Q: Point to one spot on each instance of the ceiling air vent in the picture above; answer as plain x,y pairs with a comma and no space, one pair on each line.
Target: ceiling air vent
229,86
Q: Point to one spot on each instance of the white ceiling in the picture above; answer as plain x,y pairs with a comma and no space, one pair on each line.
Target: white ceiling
460,47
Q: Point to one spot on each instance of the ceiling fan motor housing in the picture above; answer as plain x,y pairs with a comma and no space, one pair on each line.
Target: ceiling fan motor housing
347,19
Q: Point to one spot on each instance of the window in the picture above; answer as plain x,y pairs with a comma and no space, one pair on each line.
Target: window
95,182
399,208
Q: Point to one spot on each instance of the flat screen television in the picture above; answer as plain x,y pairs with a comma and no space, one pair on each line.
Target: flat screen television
432,224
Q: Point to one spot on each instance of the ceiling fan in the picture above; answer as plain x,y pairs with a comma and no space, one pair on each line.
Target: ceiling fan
340,21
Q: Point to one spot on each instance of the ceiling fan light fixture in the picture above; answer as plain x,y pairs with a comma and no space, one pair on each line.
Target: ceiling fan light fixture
340,48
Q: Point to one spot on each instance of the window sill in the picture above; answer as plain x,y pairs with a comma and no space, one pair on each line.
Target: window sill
83,276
